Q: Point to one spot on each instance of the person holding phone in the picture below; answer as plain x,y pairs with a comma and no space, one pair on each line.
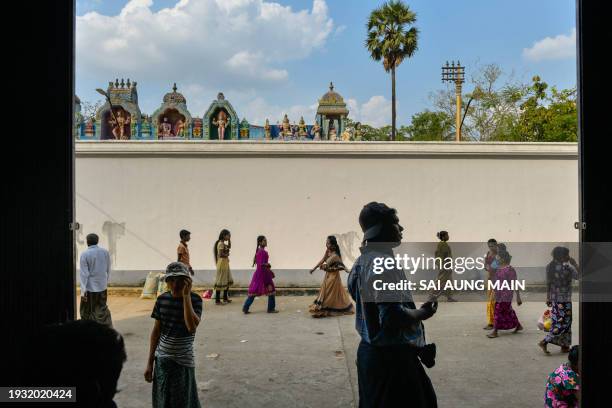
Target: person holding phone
560,273
392,350
171,363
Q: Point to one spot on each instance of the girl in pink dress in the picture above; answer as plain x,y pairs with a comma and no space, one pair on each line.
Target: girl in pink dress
504,316
261,283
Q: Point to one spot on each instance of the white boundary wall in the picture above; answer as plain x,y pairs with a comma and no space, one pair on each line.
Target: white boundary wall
137,195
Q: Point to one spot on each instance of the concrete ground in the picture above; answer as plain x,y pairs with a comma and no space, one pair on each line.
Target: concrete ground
292,360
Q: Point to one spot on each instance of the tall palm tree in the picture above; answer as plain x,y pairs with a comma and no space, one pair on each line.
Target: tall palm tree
392,38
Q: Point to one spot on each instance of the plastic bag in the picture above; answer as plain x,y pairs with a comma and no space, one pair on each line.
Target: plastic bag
149,291
545,321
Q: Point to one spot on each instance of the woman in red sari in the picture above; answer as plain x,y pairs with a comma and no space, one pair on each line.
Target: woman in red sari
504,317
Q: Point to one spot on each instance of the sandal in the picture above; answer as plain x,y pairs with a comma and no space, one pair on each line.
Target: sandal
492,336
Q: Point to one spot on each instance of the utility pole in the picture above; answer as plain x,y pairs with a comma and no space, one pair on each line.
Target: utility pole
455,73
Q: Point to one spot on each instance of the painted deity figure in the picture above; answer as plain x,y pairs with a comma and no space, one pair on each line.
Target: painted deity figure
221,121
346,136
333,135
286,127
145,127
267,130
294,131
316,131
89,128
165,129
302,133
179,128
197,128
118,124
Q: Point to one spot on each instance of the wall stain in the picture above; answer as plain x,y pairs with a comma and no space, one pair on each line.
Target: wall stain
113,231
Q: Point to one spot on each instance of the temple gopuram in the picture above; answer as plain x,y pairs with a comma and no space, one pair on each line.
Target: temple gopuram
121,119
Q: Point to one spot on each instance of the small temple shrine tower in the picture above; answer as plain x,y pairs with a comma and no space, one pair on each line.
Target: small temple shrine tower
332,114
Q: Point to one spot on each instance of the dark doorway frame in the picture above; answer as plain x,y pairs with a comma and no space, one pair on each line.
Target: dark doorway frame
41,228
593,88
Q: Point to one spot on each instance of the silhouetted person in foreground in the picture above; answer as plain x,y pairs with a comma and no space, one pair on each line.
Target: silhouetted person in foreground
392,350
82,354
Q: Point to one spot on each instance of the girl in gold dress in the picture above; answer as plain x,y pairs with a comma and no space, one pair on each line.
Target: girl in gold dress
223,279
333,299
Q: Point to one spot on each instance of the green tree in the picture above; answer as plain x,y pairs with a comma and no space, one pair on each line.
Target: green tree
392,38
492,107
548,118
428,125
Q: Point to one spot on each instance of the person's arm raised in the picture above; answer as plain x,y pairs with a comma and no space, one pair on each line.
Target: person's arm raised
191,318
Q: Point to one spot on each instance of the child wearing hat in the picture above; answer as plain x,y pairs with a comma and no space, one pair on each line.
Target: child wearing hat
171,366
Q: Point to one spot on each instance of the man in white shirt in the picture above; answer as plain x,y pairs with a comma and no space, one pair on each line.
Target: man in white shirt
95,272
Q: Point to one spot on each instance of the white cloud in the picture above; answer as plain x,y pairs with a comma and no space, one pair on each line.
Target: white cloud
257,110
216,43
375,112
552,48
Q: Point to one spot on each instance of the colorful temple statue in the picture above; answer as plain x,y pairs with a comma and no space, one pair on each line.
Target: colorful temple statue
316,131
120,124
197,128
229,120
115,123
89,129
179,128
285,129
221,122
164,129
244,129
172,119
331,114
302,132
332,134
346,135
145,127
267,130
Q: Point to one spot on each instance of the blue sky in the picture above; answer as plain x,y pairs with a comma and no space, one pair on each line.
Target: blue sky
267,66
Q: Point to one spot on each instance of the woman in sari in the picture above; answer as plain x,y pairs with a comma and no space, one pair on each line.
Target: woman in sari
261,283
559,275
224,279
443,252
504,317
333,300
490,268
